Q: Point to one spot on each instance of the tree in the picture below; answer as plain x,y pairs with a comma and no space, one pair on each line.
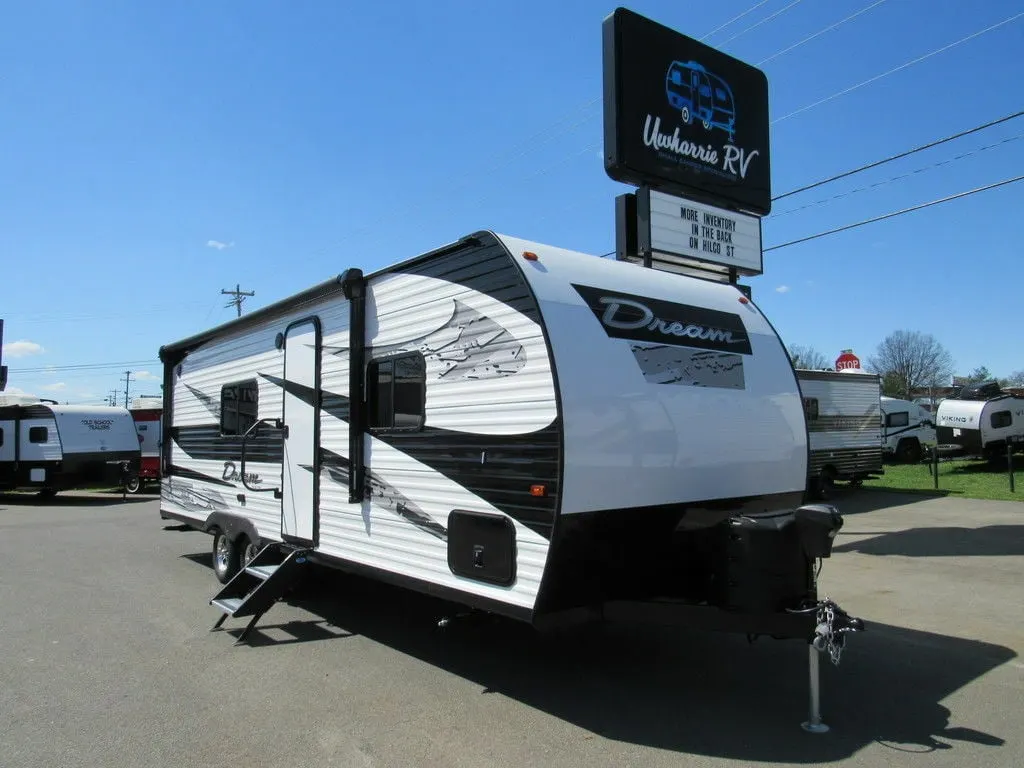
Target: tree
891,385
1015,379
807,357
911,359
980,373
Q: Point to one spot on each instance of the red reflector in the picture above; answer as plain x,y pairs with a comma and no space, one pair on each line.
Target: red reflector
530,256
537,490
744,300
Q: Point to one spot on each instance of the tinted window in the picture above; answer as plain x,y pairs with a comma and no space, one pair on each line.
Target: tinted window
38,434
397,392
899,419
239,407
1,435
811,408
1001,419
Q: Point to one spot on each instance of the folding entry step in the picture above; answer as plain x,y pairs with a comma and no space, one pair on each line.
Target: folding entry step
257,586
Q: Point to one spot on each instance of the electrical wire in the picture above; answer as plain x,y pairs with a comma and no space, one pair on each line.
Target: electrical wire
81,367
909,152
765,20
733,20
820,32
902,176
894,70
913,208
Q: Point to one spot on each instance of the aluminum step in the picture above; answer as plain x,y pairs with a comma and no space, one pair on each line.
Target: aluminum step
261,571
228,604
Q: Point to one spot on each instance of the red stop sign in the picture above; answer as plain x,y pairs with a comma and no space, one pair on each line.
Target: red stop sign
847,360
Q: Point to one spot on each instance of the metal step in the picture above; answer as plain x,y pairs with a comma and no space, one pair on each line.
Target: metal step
261,571
227,604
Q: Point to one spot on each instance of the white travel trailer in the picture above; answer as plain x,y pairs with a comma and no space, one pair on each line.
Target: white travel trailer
844,426
51,447
981,421
146,413
522,429
907,428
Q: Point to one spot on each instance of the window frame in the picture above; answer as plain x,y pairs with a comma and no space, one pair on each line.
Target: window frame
808,408
904,414
35,431
1009,419
252,384
373,394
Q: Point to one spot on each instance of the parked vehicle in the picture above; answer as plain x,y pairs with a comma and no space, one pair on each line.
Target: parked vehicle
146,414
844,426
907,429
50,447
523,429
981,420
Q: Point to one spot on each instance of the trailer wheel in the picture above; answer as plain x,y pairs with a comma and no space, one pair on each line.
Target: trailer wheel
248,550
134,485
225,557
908,451
686,115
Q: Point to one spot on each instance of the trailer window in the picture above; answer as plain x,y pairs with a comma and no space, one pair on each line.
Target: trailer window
239,407
899,419
38,434
396,392
811,408
1001,419
1,435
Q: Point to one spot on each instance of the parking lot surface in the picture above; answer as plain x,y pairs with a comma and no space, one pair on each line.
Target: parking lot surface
106,659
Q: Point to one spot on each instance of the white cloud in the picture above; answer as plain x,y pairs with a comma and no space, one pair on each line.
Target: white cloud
145,376
219,245
55,387
23,348
14,391
782,289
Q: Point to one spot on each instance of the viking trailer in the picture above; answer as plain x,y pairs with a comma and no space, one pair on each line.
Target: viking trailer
844,425
522,429
49,447
981,421
907,429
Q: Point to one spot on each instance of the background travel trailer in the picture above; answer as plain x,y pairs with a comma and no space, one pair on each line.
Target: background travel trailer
51,447
844,425
146,412
517,427
907,429
981,420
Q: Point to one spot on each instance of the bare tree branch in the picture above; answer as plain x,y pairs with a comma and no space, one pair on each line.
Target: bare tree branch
911,360
807,357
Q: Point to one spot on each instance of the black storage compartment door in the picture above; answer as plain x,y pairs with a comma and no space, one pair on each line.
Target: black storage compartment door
482,547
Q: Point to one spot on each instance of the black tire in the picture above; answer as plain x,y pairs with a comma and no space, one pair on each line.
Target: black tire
134,485
909,451
225,558
47,493
247,550
856,482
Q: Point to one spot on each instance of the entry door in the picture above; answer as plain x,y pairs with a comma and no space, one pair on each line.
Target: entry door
301,415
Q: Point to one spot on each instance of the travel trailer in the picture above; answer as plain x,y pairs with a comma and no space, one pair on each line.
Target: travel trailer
518,428
981,420
50,447
146,414
844,426
701,95
907,429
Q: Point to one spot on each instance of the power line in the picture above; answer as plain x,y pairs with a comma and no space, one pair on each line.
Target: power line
900,155
82,367
896,213
734,19
820,32
902,176
894,70
765,20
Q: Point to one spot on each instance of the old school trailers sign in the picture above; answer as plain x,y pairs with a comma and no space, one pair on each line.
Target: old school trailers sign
682,116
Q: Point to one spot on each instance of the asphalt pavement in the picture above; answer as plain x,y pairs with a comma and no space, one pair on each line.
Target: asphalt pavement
106,659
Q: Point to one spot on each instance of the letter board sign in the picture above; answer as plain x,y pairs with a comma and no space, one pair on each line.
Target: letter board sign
684,117
687,233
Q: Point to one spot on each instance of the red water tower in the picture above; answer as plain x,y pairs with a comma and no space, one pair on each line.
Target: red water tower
847,360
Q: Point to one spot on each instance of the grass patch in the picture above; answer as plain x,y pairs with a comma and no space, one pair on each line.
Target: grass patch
969,479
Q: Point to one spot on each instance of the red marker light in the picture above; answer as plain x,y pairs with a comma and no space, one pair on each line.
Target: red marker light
538,490
529,255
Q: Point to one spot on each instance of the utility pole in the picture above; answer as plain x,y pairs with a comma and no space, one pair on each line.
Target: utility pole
239,296
127,379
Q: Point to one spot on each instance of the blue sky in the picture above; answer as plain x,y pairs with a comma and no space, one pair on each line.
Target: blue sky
154,153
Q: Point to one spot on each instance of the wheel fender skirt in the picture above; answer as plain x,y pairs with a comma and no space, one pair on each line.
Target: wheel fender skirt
233,526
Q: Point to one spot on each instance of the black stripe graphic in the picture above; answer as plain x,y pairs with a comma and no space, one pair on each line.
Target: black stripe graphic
212,405
194,475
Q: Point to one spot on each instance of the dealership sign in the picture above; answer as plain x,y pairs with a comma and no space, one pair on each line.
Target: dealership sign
684,117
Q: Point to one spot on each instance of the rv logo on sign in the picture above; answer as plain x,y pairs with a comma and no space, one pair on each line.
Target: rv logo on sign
640,318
